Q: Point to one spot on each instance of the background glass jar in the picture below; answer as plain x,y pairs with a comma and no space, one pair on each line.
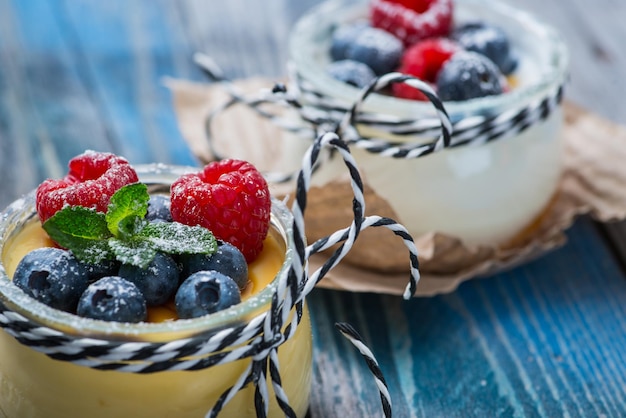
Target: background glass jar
34,385
484,194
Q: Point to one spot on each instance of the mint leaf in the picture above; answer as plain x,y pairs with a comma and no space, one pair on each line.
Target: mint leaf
177,238
130,226
127,204
94,253
137,252
82,230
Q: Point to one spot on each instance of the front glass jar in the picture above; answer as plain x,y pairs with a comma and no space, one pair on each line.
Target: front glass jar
34,385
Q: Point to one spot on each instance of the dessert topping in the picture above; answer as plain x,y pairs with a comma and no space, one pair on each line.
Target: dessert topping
123,233
412,21
424,60
92,179
344,37
52,276
125,249
488,40
351,72
468,75
159,208
425,28
231,198
113,299
376,48
157,282
227,260
206,292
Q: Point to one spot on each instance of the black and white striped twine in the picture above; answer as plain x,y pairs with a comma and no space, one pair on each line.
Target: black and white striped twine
325,113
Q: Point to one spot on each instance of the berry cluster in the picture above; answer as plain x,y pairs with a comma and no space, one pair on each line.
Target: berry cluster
419,38
126,251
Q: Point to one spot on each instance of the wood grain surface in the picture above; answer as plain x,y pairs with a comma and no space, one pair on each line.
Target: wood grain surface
545,339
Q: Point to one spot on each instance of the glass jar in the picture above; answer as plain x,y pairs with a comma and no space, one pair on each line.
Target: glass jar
35,385
484,193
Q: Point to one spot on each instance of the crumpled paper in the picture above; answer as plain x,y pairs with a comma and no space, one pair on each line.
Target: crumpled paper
593,182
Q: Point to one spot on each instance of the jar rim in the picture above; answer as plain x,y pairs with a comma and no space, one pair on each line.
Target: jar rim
23,210
319,22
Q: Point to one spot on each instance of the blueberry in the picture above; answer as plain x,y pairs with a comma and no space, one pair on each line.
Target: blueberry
157,282
489,40
379,50
468,75
159,208
351,72
102,269
509,65
227,260
343,37
206,292
113,299
52,276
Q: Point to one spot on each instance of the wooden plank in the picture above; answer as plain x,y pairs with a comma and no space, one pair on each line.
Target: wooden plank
544,339
595,35
14,135
246,37
125,49
62,121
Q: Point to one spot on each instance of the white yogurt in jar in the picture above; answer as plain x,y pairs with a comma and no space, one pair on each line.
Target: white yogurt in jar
483,194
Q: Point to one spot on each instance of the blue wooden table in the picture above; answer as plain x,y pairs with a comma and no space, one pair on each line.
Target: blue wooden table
545,339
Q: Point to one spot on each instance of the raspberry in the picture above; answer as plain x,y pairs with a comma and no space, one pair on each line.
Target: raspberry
404,91
92,179
420,6
425,19
230,198
424,60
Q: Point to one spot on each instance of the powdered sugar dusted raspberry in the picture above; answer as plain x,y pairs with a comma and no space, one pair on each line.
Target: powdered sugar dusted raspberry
230,198
420,6
410,25
92,179
424,60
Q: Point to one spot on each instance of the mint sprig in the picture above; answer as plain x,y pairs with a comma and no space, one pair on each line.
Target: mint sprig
127,207
82,230
123,233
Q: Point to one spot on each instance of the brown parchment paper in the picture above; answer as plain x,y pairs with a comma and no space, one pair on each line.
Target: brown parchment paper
593,182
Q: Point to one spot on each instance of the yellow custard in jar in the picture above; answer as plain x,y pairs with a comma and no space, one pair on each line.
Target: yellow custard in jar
260,272
34,385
